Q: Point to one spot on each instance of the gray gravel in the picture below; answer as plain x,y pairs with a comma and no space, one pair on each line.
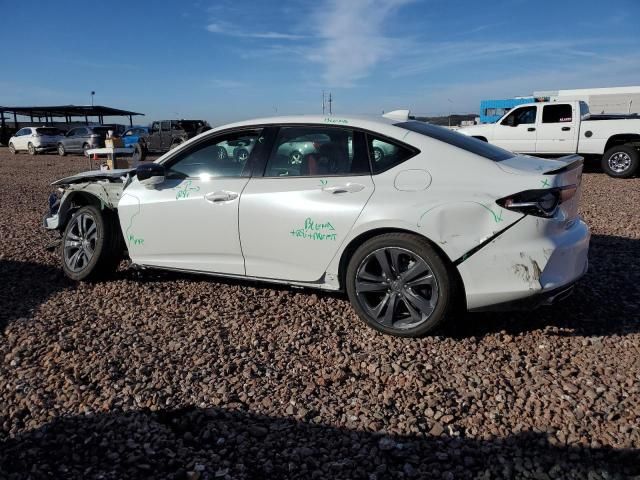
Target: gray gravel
164,376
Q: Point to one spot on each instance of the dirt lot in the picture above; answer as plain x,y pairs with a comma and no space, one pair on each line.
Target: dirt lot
165,376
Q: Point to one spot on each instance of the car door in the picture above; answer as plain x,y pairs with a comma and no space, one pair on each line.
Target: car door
557,129
295,216
154,140
517,131
189,221
20,138
165,142
68,140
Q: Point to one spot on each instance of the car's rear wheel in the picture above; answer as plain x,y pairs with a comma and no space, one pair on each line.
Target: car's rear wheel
12,149
295,157
91,244
61,151
241,154
139,153
399,285
378,154
621,161
31,149
176,144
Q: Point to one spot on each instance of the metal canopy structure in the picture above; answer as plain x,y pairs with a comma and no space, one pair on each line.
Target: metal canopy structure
68,112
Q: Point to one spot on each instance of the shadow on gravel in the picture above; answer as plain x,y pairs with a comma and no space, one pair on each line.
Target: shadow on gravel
213,443
24,286
606,300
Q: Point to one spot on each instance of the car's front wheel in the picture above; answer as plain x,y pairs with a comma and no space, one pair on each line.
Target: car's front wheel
399,285
12,149
621,161
61,151
91,244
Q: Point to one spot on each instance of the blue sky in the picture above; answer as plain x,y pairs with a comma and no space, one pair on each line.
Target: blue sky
228,60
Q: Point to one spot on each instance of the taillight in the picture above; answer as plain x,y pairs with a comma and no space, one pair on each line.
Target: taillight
316,145
541,203
34,135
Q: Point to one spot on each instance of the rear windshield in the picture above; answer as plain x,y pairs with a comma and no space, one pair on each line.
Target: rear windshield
47,131
459,140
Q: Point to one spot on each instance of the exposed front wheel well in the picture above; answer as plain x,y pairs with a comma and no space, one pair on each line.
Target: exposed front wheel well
363,237
77,200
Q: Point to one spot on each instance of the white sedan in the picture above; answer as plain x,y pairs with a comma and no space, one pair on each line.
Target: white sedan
441,222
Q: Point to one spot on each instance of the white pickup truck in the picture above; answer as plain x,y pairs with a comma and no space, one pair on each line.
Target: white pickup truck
550,129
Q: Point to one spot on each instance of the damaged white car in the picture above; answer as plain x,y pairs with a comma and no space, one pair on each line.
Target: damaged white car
440,221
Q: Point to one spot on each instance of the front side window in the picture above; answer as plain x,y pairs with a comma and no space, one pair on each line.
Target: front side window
166,126
72,132
521,116
557,113
222,156
317,151
22,131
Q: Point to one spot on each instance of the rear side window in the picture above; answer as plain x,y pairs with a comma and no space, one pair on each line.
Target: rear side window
385,155
557,113
458,140
317,151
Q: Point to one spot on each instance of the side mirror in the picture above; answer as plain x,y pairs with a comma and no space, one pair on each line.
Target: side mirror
150,174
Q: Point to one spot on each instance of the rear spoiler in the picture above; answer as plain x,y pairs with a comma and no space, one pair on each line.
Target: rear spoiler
571,162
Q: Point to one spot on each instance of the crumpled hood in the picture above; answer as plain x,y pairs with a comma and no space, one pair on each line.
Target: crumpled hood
94,175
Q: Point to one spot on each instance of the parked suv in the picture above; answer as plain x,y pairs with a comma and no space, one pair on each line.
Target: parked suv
35,139
81,139
167,134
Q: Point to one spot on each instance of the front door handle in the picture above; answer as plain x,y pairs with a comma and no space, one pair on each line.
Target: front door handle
220,196
346,188
566,129
531,129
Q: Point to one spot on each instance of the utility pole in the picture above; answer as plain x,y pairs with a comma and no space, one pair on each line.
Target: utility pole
450,102
92,94
322,102
330,101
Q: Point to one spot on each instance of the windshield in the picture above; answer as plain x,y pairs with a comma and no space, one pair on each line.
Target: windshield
459,140
190,125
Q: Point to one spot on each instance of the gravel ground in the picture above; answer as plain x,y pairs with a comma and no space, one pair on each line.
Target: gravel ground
165,376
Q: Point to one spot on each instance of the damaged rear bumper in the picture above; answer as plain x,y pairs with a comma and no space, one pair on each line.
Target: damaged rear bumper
534,263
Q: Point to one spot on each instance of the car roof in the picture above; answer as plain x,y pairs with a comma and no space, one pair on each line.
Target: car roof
367,122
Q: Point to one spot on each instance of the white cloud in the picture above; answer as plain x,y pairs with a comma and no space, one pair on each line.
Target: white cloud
352,39
225,28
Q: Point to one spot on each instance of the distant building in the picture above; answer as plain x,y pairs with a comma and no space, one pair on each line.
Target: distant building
492,110
600,100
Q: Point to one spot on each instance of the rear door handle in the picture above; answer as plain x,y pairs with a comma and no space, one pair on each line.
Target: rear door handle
346,188
220,196
566,129
531,129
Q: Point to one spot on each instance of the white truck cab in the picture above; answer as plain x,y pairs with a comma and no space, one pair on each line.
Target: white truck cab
559,128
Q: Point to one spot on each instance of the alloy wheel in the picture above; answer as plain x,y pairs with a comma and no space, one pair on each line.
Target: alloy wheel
80,242
396,288
619,162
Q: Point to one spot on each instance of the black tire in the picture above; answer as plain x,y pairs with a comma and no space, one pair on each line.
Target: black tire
404,246
621,161
139,153
12,149
241,155
107,247
61,150
31,149
85,147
